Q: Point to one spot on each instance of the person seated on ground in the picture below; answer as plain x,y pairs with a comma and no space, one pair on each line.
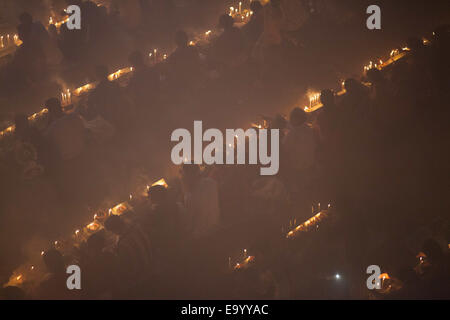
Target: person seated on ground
298,153
29,62
107,99
356,100
329,116
436,278
145,81
25,132
99,268
65,135
38,32
380,90
165,215
133,250
184,63
254,28
299,145
41,38
201,201
228,48
54,287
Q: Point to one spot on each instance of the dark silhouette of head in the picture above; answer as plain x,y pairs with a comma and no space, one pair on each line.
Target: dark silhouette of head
297,117
26,18
433,251
255,6
279,122
101,73
226,22
24,32
136,59
115,224
414,43
352,86
96,242
54,261
327,98
54,108
375,76
158,195
181,39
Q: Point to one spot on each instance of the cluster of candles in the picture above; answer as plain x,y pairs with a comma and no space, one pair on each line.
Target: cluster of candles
239,13
372,65
10,40
66,97
156,56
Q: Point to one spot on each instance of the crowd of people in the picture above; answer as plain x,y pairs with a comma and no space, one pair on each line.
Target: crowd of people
370,152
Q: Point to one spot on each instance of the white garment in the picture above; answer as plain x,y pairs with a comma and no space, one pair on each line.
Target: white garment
202,206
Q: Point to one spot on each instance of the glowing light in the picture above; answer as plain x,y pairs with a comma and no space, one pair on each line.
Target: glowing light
161,182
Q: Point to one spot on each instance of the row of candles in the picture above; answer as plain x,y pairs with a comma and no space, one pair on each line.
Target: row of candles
247,260
10,41
30,272
395,55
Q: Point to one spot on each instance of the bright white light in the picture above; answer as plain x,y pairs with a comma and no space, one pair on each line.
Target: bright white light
338,276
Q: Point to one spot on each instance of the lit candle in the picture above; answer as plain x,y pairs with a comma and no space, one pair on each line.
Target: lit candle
240,7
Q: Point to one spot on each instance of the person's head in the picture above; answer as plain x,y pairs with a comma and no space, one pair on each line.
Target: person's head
54,107
297,117
226,22
433,251
442,33
158,195
23,32
190,174
414,43
375,76
351,86
255,6
181,39
21,122
101,73
52,30
136,59
279,122
54,261
26,18
115,224
96,242
327,97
